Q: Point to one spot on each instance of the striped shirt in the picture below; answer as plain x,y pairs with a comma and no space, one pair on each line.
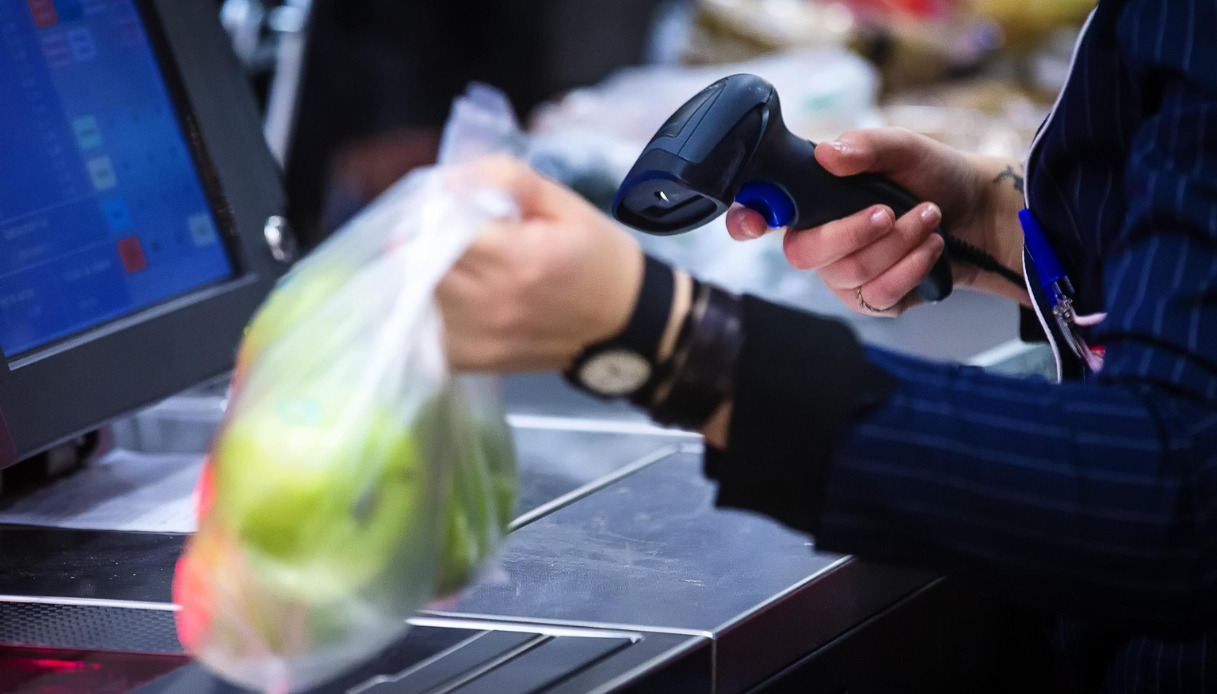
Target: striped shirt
1096,497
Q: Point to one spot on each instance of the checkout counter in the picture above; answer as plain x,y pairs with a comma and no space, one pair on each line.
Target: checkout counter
619,573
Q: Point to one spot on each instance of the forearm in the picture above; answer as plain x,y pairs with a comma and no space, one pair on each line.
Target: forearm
1083,495
1000,197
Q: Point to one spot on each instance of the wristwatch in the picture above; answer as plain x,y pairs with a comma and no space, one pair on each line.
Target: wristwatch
624,366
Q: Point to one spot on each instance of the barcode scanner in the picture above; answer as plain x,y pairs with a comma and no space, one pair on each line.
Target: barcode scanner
729,143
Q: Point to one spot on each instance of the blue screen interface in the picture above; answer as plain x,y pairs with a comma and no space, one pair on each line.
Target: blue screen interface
102,210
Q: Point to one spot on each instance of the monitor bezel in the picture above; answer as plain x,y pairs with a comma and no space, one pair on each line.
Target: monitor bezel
63,390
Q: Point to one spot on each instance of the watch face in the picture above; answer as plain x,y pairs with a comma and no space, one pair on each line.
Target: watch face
616,372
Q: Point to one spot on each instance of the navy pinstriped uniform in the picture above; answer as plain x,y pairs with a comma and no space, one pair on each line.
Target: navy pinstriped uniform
1095,497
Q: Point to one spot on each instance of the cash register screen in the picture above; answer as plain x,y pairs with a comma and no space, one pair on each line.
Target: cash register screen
102,209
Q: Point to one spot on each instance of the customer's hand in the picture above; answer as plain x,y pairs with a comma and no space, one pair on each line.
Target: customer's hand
974,198
531,294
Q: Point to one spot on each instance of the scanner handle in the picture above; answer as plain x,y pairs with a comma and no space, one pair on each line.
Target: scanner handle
819,197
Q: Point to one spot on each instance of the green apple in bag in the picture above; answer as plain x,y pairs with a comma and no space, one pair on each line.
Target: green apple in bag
326,490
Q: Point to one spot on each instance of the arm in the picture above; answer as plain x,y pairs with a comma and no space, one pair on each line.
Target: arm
1100,495
1081,495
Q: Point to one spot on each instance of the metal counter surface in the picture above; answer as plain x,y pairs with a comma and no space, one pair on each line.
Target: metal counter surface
556,462
651,552
648,550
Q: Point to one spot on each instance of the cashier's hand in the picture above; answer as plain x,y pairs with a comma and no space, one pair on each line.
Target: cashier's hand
529,295
974,198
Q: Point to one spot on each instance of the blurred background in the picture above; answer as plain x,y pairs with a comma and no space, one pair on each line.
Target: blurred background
356,93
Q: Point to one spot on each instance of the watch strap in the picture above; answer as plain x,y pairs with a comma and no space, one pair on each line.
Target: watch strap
644,331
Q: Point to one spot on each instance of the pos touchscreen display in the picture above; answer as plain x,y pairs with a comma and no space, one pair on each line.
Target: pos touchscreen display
103,208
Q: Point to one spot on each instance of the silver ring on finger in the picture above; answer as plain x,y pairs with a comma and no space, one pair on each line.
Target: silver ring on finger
868,307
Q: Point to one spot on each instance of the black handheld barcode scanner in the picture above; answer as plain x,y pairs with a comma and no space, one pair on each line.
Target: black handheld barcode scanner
729,143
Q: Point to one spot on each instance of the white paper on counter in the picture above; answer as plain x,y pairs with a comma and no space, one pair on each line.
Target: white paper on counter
128,491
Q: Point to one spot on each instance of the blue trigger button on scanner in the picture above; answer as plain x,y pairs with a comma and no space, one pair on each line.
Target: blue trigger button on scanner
770,201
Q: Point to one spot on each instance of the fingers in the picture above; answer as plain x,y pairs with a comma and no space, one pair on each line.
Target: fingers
895,288
881,150
744,224
813,249
868,263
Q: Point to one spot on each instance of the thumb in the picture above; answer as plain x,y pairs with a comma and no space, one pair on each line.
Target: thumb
744,224
879,150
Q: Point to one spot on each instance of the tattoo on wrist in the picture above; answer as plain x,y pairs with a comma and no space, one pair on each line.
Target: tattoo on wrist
1016,177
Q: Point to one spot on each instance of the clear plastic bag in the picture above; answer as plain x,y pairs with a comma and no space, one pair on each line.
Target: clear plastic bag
355,478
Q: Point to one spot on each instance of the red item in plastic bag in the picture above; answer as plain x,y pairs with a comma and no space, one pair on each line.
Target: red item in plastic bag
204,493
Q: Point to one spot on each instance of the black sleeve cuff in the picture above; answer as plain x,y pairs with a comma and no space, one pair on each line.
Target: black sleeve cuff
799,379
1029,328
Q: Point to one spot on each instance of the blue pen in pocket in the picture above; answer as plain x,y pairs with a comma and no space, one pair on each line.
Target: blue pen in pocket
1058,289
